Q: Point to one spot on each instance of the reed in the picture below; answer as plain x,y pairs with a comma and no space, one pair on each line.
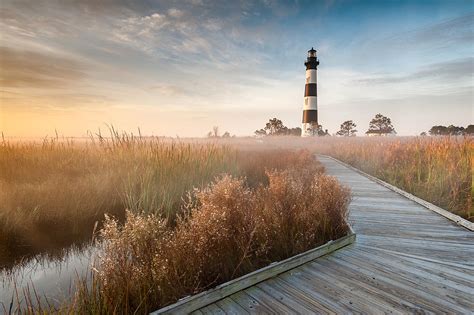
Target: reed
278,203
227,229
437,169
76,183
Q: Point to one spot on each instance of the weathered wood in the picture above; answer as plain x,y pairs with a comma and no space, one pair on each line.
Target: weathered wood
407,259
250,304
197,301
277,292
230,307
451,216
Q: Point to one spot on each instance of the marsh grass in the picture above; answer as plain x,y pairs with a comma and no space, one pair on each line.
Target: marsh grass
228,229
437,169
199,214
53,193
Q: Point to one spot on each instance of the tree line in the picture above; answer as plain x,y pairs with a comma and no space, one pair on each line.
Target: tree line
450,131
380,125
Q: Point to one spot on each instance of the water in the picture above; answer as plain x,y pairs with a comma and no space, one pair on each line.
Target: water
53,279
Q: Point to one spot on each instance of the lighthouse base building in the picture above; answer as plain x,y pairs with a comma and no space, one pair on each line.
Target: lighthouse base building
310,126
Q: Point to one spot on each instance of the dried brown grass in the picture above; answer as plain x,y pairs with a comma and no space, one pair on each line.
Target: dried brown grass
437,169
53,193
228,229
181,235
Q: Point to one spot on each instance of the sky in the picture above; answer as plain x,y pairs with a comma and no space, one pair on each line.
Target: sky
178,68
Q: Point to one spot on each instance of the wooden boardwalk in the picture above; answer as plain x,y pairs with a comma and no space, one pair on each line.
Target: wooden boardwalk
406,259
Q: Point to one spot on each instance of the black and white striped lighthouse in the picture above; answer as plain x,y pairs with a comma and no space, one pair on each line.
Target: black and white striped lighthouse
310,106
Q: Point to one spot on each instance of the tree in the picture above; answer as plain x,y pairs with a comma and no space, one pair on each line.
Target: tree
448,131
322,132
226,135
455,130
423,133
260,132
313,129
381,125
469,130
438,131
316,130
215,131
294,131
275,127
347,129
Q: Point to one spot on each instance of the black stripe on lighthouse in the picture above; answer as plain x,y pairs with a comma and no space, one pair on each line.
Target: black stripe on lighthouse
310,89
311,63
310,115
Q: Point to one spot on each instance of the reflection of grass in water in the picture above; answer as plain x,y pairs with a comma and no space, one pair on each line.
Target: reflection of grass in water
15,257
56,276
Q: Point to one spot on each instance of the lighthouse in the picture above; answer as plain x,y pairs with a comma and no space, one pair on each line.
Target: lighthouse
310,107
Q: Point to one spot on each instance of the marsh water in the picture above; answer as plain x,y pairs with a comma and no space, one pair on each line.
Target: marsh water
48,278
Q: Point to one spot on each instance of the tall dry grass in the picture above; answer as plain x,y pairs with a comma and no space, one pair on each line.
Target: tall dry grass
228,229
437,169
53,193
232,211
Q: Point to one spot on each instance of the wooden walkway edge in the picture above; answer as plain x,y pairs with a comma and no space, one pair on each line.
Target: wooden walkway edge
451,216
407,258
192,303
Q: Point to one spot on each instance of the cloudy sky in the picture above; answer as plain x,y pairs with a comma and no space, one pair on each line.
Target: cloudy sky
181,67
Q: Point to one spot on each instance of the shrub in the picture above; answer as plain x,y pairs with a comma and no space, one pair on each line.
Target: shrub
229,229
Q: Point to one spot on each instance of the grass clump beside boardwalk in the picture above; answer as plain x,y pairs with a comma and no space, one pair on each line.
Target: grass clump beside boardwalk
227,229
199,214
437,169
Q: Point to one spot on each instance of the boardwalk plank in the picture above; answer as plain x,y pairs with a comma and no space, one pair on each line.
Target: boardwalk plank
278,287
230,307
250,304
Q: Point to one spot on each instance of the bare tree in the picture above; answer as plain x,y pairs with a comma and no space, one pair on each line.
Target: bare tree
215,131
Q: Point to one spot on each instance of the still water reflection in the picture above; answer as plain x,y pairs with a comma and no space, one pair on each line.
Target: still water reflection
52,279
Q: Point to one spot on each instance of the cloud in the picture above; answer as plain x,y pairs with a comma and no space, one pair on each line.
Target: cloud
446,33
449,32
176,13
445,71
28,69
165,89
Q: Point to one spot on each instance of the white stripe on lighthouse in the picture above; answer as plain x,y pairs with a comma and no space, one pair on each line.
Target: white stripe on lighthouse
311,76
310,102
